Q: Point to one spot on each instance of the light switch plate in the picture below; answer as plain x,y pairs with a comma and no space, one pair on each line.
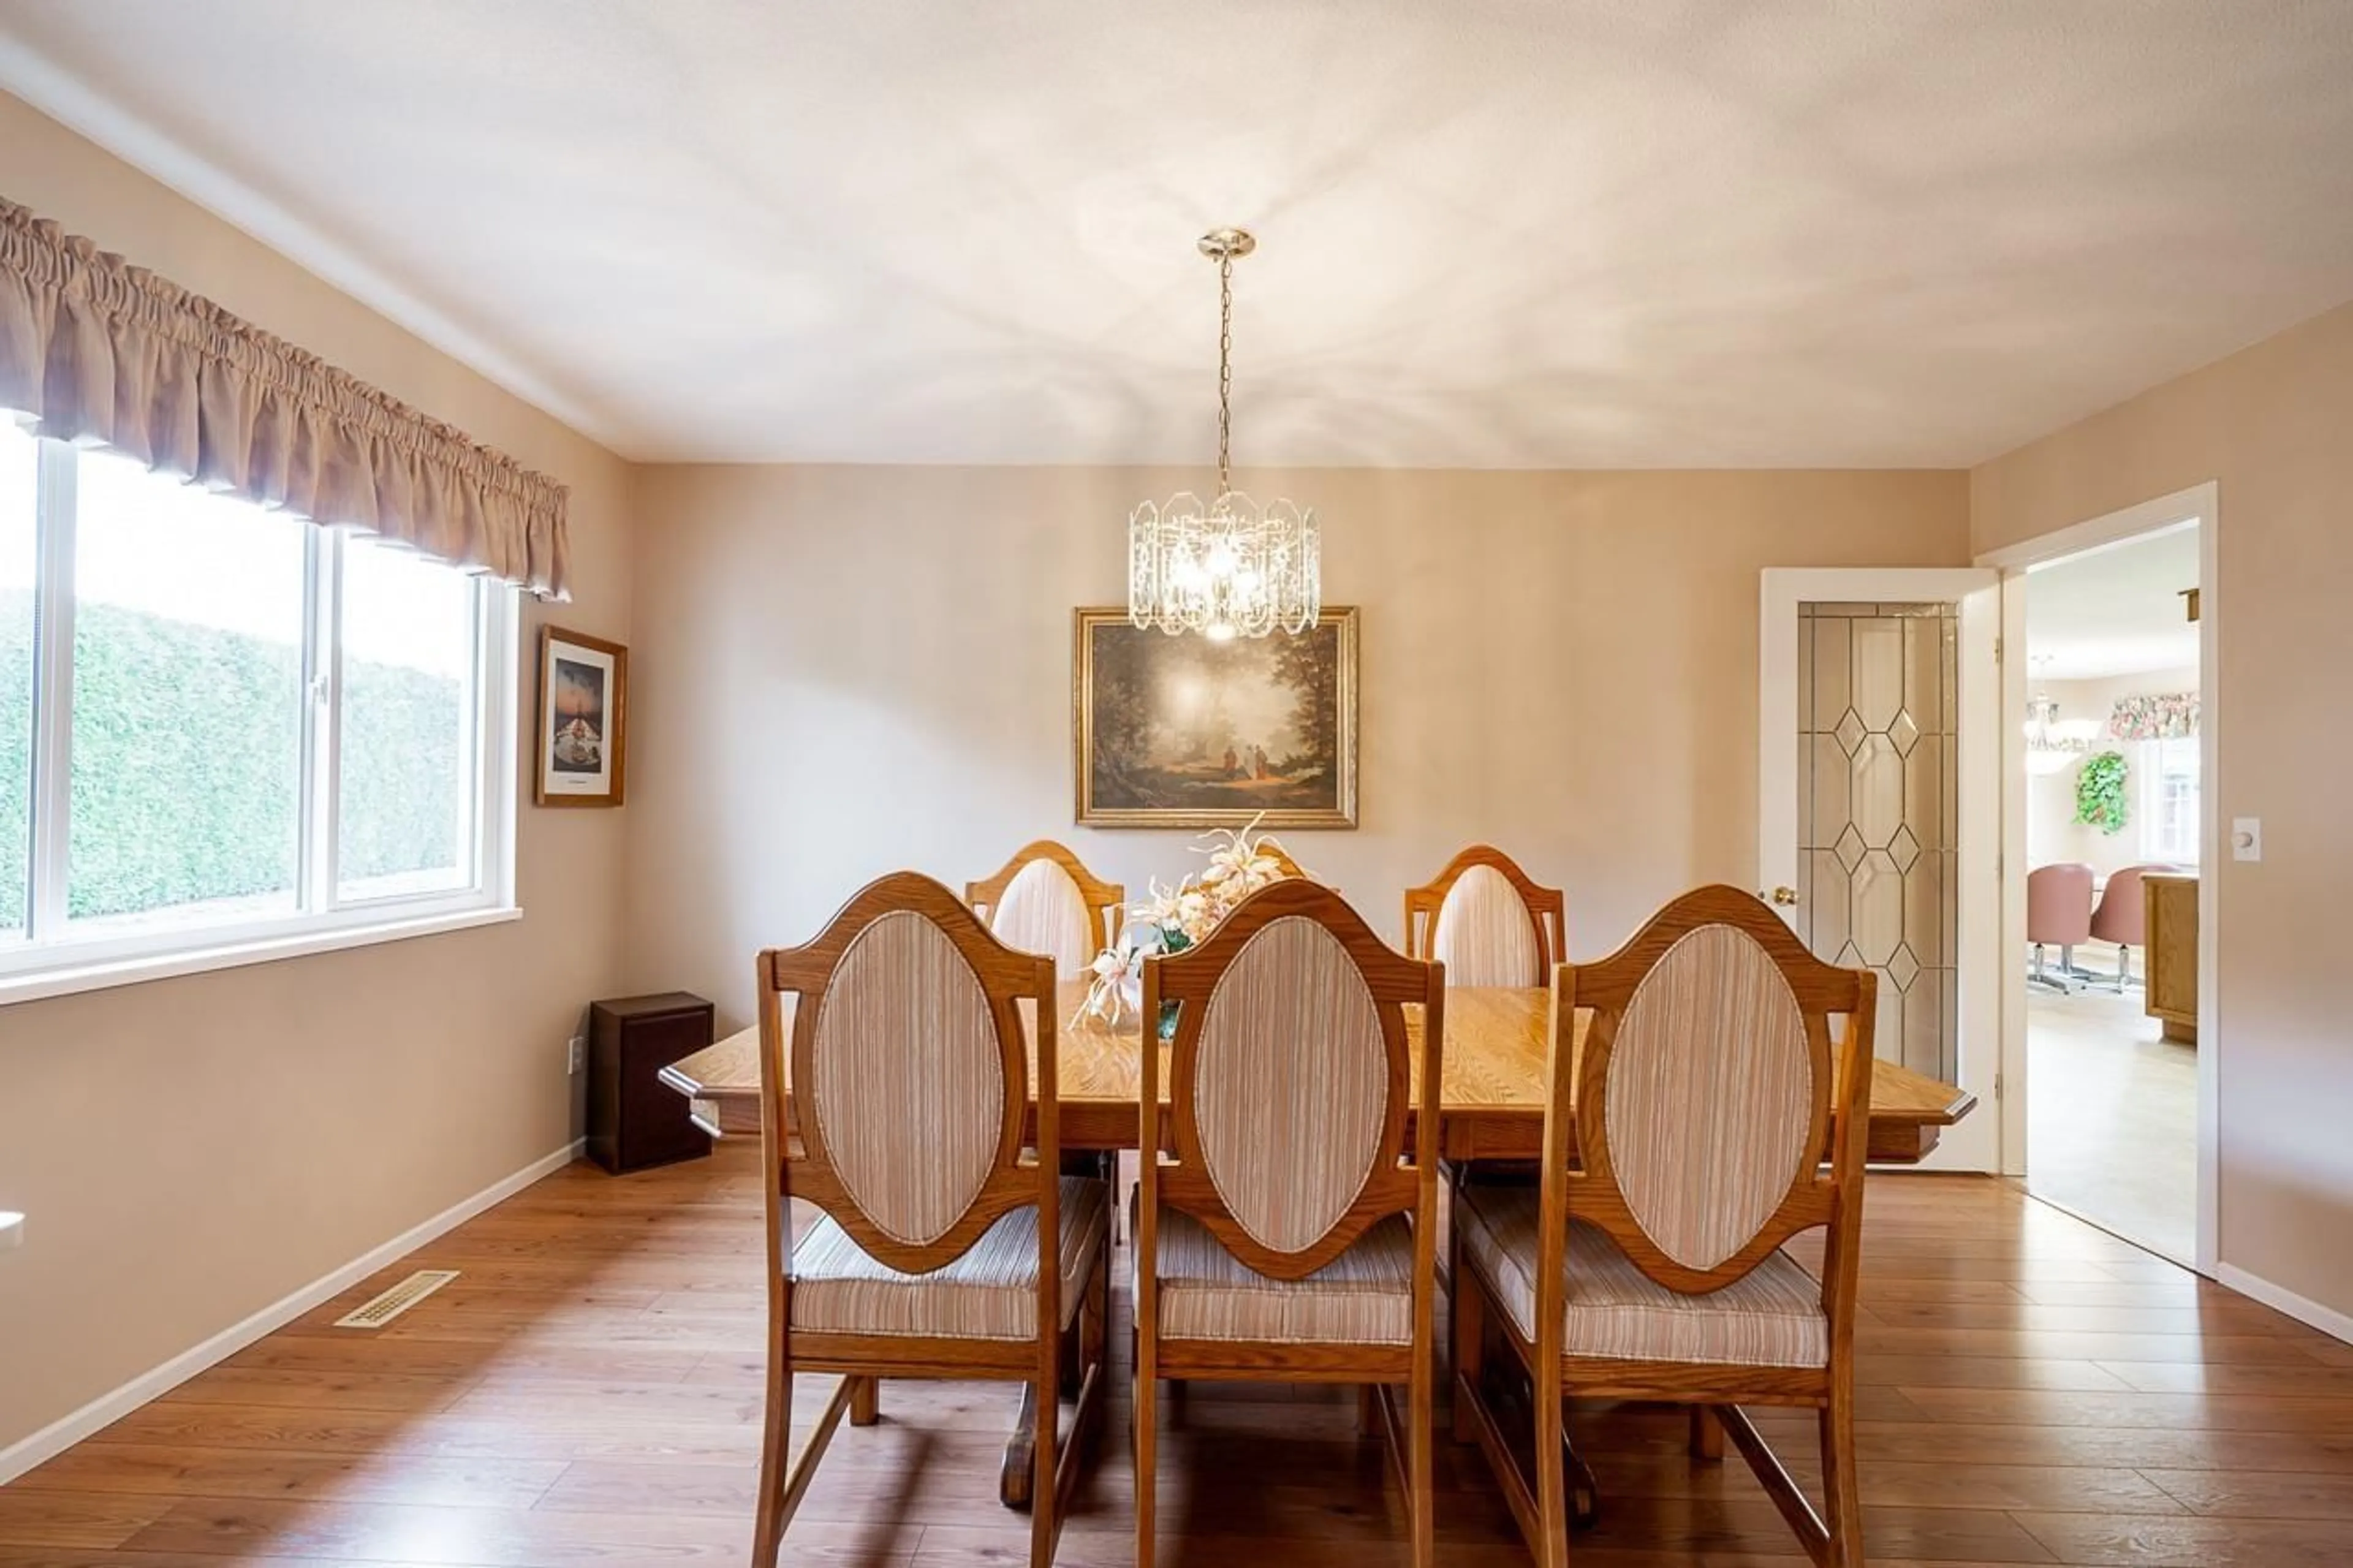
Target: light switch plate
2246,838
11,1229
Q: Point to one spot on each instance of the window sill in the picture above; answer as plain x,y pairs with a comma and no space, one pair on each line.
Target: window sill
69,979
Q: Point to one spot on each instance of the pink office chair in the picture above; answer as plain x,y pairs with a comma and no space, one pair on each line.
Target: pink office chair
2058,914
2122,917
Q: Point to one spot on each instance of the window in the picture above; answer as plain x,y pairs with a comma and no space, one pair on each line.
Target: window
2169,816
226,729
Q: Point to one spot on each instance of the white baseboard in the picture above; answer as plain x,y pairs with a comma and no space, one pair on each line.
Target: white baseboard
109,1408
2327,1319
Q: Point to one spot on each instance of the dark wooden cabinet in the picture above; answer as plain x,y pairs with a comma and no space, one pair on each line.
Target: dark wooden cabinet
634,1119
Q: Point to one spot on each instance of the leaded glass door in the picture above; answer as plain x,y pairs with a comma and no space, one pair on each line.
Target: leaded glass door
1879,810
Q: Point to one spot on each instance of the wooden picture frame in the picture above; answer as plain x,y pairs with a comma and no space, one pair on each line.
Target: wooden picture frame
1275,737
582,754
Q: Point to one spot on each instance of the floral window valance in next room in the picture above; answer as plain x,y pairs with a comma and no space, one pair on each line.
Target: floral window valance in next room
96,349
2164,718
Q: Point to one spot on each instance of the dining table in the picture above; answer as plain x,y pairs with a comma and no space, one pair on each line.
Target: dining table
1491,1101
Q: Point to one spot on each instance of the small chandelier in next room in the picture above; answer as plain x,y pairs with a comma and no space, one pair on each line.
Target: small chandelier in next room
2052,742
1232,568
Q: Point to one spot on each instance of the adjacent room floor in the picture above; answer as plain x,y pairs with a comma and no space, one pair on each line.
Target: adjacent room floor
2112,1113
2032,1390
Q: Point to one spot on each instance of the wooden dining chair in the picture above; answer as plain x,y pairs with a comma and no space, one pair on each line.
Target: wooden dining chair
1285,1230
1045,900
1274,850
1487,920
943,1249
1681,1153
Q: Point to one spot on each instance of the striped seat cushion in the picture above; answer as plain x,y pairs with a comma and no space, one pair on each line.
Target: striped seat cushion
1364,1296
989,1293
1771,1317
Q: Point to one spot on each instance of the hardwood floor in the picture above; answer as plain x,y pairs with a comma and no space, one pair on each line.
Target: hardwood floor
2112,1112
588,1393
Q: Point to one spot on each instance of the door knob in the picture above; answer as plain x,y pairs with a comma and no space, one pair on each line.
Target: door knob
1783,895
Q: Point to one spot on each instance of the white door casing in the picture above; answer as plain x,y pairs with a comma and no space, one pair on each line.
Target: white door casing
2201,503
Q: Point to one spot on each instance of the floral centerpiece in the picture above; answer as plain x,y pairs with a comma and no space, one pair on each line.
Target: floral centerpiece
1174,919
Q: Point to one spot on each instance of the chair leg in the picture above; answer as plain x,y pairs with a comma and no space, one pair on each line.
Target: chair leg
1840,1490
1707,1433
1469,1309
1368,1410
1045,1514
1423,1499
775,1463
865,1401
1094,1336
1147,1407
1552,1479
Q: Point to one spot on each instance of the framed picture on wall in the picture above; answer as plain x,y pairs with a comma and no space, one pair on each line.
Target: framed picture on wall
1181,732
583,694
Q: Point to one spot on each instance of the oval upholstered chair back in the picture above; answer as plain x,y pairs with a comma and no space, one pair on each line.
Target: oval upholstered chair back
1289,1073
1487,920
1045,900
908,1071
1043,912
1714,1096
1705,1093
1485,934
1289,1084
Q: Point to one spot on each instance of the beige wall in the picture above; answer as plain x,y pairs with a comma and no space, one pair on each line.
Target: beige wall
2052,831
845,671
2269,425
189,1151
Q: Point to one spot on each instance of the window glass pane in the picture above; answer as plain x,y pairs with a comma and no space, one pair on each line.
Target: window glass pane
2170,769
187,706
19,495
407,772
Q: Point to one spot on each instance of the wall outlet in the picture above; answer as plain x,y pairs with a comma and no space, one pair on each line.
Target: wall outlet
575,1055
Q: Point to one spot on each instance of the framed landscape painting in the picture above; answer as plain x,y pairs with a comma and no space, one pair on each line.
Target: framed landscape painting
1181,732
583,689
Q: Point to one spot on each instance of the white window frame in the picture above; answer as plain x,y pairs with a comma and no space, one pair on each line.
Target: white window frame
2152,802
51,959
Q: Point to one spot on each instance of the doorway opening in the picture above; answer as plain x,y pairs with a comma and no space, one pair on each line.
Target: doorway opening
2112,810
2109,1060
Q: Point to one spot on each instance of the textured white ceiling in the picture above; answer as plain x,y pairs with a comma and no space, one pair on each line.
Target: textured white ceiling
1495,234
2114,611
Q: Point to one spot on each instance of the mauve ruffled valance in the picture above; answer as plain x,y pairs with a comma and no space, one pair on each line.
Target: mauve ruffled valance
98,350
2168,716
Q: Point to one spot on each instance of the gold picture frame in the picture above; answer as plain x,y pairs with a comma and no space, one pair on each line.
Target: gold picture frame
1267,726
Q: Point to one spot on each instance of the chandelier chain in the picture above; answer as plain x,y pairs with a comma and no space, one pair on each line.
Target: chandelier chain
1225,373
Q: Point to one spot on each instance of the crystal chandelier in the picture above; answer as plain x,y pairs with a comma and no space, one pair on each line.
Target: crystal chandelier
1232,568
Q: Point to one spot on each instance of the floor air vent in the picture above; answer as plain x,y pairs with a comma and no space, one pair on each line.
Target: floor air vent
376,1313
